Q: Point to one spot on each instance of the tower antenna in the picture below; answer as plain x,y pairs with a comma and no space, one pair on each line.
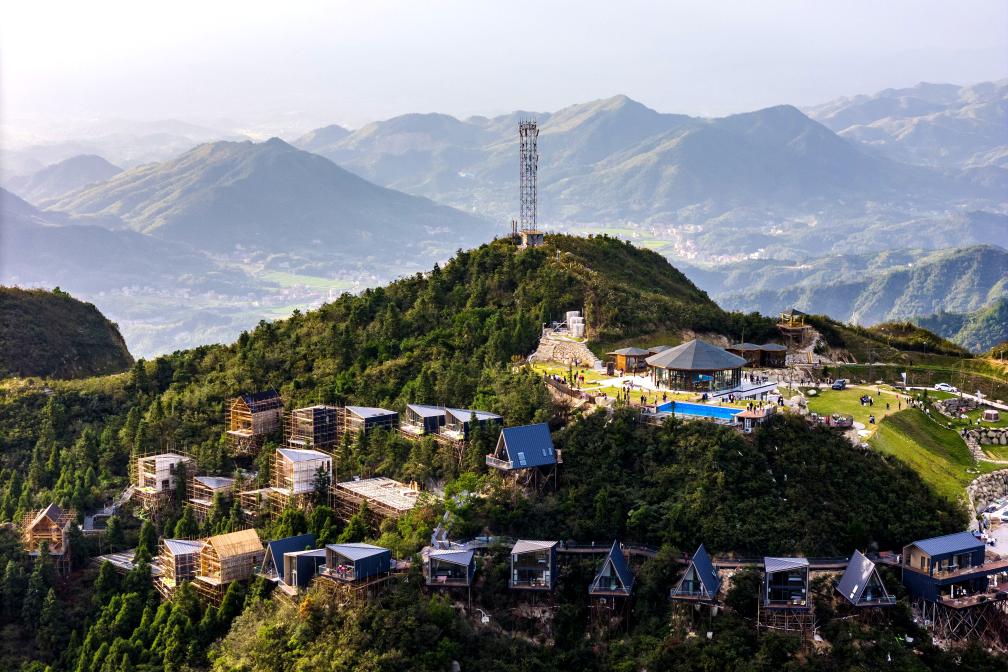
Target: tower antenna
528,225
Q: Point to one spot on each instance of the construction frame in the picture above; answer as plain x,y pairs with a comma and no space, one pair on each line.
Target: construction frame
249,419
155,479
385,498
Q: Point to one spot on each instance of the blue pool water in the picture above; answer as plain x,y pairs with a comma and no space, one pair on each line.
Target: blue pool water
686,409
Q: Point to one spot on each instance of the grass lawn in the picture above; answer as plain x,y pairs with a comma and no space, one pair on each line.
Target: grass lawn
846,402
997,452
938,455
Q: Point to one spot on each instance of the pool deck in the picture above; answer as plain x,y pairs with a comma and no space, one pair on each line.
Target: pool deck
644,383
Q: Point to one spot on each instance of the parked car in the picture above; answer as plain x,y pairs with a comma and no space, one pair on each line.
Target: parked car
839,384
945,387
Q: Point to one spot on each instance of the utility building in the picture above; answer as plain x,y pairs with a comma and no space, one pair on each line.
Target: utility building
533,565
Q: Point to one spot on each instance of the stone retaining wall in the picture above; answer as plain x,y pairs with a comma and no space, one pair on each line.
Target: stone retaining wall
985,489
989,436
561,350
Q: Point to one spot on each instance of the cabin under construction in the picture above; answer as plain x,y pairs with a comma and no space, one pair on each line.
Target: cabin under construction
156,477
365,419
250,419
49,528
313,428
226,558
385,498
178,560
202,490
420,420
785,603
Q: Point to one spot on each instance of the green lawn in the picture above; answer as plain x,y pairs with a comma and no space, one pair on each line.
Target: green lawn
997,452
938,455
846,402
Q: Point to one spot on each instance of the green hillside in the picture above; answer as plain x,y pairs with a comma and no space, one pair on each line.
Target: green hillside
453,336
51,334
978,331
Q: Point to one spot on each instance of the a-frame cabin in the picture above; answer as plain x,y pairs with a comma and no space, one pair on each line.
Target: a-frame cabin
701,583
861,584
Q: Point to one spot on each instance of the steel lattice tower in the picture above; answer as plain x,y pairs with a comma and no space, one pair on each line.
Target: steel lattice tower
528,132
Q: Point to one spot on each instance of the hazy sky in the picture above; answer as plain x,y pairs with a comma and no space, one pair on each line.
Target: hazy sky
301,64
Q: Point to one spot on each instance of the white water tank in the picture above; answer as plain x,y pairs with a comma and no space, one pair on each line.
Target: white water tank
572,314
577,330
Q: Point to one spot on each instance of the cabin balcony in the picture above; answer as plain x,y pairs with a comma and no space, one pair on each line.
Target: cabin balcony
497,463
954,572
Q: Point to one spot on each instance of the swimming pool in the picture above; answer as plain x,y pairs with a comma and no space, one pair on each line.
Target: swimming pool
686,409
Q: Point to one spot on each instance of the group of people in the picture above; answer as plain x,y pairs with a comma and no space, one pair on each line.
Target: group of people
754,379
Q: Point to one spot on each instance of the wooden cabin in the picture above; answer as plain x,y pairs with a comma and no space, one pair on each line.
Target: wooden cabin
628,360
229,557
420,420
358,419
354,563
252,417
526,452
700,583
793,328
449,568
313,427
861,584
458,422
49,527
533,565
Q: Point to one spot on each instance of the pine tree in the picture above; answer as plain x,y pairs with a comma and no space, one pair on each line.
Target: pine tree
13,589
187,527
50,625
147,545
35,595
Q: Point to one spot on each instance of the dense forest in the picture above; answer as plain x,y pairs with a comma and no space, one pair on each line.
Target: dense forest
455,336
51,334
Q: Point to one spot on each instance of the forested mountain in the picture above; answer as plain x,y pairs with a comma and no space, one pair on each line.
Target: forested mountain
62,177
451,336
929,124
877,289
53,335
978,331
271,197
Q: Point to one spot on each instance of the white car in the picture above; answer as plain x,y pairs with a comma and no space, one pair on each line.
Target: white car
945,387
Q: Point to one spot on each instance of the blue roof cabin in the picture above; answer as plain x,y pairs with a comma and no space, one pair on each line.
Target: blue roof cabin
450,568
526,451
614,577
943,568
861,584
533,565
358,419
352,563
458,421
786,583
273,563
420,420
300,567
701,582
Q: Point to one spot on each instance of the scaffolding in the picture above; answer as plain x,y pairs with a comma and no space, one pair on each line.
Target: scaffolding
250,419
178,560
981,617
227,558
385,498
355,420
49,527
155,479
313,427
201,491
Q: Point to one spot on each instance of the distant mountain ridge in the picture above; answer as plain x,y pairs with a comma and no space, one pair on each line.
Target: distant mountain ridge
930,124
271,196
961,280
773,179
62,177
978,331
